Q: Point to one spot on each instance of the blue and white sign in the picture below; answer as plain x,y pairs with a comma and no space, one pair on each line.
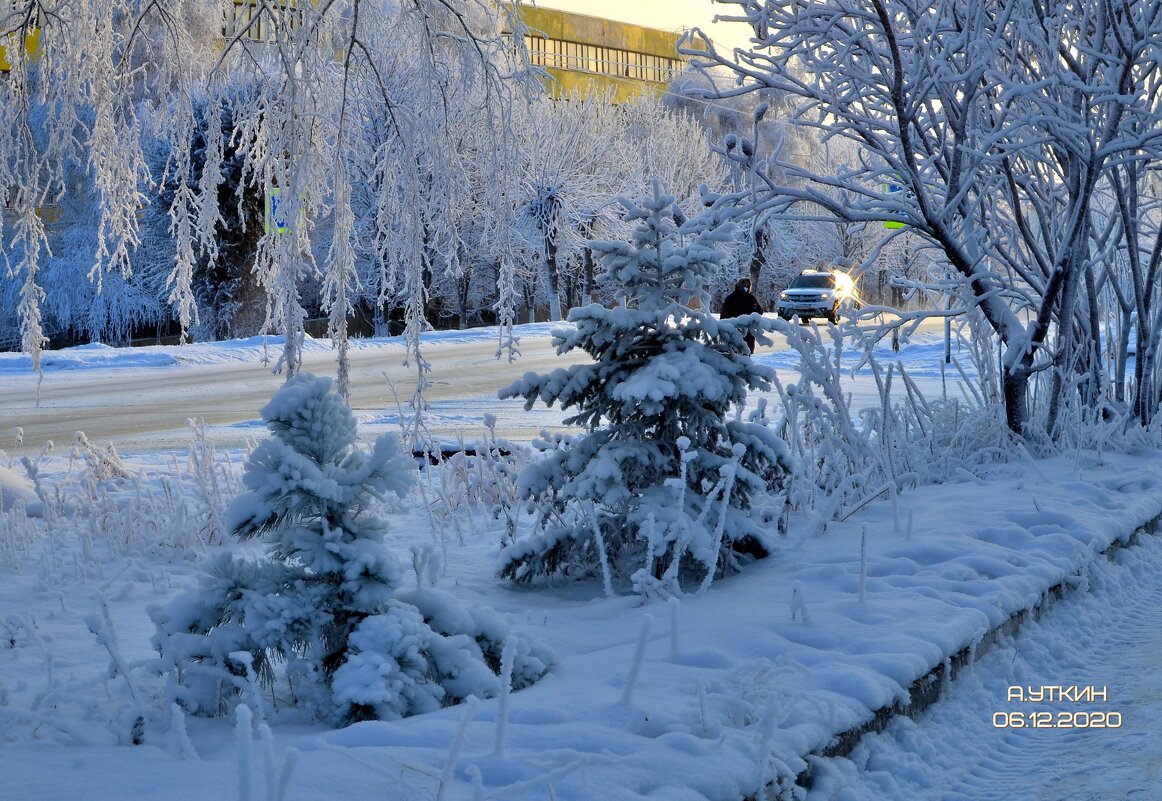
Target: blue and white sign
277,216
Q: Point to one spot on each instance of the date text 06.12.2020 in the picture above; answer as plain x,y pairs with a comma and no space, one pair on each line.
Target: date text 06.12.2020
1057,720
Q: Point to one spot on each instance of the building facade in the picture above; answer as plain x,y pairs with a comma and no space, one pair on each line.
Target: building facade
586,54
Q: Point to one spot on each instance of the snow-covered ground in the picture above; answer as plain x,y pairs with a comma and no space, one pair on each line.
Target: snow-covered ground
735,684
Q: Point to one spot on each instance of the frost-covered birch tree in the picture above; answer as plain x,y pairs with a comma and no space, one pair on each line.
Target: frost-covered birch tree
571,171
82,83
578,158
376,93
997,122
325,97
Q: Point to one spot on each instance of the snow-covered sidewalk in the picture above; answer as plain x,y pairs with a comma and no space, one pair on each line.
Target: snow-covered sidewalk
735,686
978,744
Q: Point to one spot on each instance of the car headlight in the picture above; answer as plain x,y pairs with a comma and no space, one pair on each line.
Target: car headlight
784,296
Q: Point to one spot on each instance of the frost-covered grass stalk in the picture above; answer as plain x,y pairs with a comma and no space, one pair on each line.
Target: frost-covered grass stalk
602,553
506,659
703,707
798,603
277,780
904,441
862,563
245,743
728,472
457,744
214,482
179,734
768,725
639,656
101,625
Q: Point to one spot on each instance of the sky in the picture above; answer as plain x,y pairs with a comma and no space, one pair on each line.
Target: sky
665,14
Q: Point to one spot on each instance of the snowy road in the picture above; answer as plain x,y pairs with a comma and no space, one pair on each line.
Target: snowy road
972,746
146,407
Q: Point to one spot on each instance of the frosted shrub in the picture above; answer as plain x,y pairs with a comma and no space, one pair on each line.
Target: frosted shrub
213,482
663,480
321,611
846,460
475,488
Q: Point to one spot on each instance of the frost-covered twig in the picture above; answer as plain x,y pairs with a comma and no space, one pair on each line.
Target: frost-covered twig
470,705
245,744
639,656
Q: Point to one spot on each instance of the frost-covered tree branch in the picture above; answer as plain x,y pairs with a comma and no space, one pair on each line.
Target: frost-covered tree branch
987,130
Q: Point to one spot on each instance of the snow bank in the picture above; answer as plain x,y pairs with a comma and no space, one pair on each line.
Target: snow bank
249,349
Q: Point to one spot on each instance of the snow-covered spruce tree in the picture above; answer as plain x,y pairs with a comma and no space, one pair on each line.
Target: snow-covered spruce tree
324,602
664,479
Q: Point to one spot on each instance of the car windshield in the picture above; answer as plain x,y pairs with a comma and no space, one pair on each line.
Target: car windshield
813,282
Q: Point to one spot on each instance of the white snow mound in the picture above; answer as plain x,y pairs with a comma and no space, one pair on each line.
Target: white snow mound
16,490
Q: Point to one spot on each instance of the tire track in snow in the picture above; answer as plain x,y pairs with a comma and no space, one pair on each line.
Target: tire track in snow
1111,637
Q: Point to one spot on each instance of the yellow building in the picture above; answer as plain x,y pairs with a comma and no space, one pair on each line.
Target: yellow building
580,53
10,44
584,53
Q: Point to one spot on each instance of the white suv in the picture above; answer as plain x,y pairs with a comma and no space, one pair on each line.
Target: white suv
815,293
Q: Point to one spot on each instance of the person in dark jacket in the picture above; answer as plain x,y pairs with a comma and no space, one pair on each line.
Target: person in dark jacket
740,302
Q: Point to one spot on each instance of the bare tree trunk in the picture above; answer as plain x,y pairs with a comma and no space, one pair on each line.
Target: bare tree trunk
552,271
1015,386
758,255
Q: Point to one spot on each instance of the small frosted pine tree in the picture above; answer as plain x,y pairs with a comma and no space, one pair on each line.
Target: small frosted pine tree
322,610
664,480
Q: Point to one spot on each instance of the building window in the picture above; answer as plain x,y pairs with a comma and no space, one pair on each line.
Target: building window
580,57
259,22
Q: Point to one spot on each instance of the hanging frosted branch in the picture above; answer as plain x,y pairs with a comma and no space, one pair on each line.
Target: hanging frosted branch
30,236
180,281
340,279
508,296
416,302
